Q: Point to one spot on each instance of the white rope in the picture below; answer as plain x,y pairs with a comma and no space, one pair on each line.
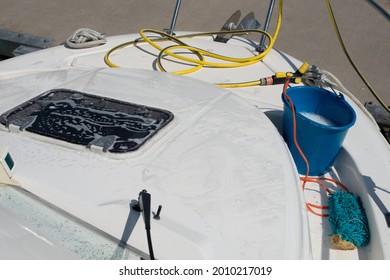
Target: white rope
85,38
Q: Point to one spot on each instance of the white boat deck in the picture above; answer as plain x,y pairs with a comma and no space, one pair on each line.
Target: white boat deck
221,169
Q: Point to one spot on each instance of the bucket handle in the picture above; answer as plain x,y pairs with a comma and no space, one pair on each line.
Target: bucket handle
339,95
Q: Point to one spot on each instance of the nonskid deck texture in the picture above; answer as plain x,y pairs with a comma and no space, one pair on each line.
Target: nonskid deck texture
221,169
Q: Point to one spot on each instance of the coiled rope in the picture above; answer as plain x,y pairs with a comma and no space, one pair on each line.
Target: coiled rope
85,38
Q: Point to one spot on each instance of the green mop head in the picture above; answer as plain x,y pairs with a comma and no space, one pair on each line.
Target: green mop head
348,221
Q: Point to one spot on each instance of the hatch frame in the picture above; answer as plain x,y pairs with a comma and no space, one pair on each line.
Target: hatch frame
30,115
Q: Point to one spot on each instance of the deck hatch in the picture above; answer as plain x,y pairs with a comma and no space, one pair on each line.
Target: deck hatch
88,120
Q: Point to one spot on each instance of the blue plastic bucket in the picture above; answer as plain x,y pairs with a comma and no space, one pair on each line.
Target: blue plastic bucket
322,121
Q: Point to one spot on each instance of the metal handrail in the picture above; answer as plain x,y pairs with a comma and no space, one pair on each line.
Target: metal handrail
174,18
261,46
271,6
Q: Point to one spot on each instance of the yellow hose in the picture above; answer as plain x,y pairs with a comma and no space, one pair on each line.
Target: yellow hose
226,62
350,59
233,62
238,85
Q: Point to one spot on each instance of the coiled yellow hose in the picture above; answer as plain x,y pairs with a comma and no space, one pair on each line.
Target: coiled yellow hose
225,62
232,61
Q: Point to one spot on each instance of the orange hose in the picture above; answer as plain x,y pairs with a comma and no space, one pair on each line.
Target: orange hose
306,178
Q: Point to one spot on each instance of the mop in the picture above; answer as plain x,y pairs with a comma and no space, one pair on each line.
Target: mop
348,221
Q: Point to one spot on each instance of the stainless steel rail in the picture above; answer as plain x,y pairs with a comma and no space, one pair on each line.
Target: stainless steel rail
271,6
174,18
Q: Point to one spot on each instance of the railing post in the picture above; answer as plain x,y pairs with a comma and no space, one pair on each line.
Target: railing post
174,18
261,46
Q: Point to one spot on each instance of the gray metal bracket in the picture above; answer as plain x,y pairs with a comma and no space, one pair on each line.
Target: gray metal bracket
16,43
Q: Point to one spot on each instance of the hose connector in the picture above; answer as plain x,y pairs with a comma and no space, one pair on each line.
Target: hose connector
302,70
280,78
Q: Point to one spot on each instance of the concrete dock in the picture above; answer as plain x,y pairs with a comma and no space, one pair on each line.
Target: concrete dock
306,33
